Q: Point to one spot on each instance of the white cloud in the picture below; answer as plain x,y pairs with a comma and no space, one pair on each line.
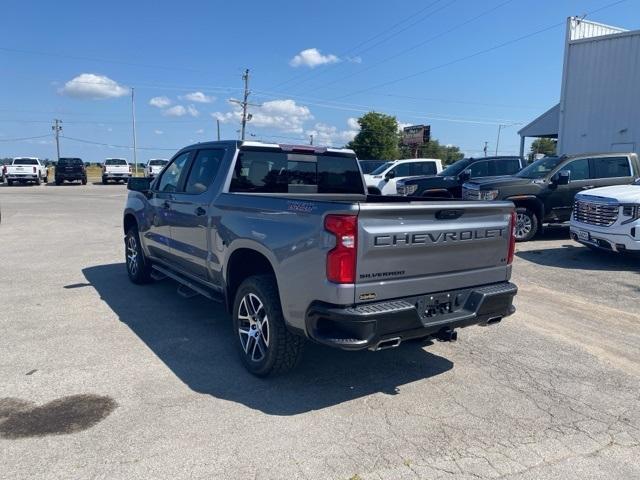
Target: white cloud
158,132
402,125
354,59
92,86
198,97
284,115
160,102
311,57
200,131
181,111
324,134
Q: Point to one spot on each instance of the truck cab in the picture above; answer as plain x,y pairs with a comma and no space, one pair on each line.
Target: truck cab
384,178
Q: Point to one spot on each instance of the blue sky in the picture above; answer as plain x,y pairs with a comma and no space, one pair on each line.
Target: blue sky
313,69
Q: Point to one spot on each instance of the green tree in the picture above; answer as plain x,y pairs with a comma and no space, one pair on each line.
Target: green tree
377,138
447,153
547,146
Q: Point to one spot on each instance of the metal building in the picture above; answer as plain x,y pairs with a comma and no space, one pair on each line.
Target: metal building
599,109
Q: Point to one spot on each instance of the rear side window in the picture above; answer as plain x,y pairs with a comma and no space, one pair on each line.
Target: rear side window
204,170
424,168
506,167
611,167
170,180
403,170
282,172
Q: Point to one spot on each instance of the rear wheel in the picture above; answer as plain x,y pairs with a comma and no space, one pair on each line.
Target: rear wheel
38,180
104,180
527,224
84,181
265,345
46,178
10,182
138,266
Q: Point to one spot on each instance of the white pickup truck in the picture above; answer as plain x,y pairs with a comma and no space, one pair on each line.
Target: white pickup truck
25,169
608,218
154,167
382,180
116,169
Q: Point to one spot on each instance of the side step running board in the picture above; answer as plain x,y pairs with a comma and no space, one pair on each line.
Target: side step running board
187,288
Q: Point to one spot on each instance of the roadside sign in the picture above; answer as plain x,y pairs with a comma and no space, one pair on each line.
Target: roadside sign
416,134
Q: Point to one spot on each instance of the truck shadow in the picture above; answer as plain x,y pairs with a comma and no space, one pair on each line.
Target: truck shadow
193,338
577,257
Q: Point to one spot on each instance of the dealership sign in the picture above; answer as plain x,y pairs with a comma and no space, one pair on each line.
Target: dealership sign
416,134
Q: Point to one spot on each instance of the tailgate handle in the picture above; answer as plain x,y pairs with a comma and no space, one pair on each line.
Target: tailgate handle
449,214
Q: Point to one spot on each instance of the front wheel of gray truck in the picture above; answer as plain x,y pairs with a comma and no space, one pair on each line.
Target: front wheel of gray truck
265,344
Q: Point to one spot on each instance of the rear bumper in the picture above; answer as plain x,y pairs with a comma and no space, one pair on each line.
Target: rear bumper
70,176
365,326
20,176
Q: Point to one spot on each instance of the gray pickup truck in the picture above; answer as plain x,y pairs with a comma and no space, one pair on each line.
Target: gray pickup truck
289,240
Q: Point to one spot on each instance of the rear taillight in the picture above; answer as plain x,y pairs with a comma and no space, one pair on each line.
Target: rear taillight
512,238
34,169
341,260
130,169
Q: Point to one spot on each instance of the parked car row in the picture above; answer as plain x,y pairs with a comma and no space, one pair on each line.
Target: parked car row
550,190
72,169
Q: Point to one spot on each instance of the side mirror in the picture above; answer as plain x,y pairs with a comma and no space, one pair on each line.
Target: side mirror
563,177
465,175
390,175
139,184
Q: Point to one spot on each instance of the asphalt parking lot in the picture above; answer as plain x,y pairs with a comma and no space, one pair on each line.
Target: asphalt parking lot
155,390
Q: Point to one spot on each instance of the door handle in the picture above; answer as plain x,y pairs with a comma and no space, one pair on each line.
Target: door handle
588,187
200,211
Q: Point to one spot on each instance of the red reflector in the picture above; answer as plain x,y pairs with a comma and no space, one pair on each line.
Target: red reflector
512,238
341,260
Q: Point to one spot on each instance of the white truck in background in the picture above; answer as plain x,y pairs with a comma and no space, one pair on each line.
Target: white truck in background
154,167
25,169
608,218
116,169
382,181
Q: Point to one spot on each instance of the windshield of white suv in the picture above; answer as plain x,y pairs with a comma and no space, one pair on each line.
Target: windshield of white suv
381,168
539,168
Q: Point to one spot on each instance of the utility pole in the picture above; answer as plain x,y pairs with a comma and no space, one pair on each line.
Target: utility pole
133,119
57,128
311,139
244,103
218,125
486,146
500,127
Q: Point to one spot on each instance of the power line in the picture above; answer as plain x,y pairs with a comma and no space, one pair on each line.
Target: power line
418,45
475,54
374,37
23,138
128,147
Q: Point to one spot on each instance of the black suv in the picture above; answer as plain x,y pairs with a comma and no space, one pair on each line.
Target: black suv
448,183
70,169
544,191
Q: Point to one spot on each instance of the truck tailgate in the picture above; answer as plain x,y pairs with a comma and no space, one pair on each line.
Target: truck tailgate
424,247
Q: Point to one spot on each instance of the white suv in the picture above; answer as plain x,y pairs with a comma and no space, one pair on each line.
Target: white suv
608,218
384,177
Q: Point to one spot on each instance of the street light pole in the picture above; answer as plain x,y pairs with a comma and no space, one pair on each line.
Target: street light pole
133,120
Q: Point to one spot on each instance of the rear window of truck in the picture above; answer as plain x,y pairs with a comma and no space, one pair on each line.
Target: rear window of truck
69,161
284,172
25,161
115,161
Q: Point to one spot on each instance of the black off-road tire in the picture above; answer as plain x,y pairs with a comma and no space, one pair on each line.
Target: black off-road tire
104,181
284,348
141,273
527,224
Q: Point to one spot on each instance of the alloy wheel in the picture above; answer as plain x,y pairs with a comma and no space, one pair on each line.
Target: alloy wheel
132,255
523,225
253,327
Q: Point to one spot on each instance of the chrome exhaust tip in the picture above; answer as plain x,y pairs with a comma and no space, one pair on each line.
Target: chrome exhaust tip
387,343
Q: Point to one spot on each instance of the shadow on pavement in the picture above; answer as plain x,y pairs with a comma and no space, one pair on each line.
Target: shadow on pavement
193,338
574,256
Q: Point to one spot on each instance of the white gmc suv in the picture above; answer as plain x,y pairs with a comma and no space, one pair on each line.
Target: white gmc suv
608,218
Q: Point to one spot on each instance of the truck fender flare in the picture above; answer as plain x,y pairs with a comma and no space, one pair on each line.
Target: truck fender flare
529,201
